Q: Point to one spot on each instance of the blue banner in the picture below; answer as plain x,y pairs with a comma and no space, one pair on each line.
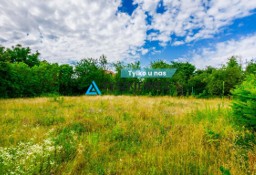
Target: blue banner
147,73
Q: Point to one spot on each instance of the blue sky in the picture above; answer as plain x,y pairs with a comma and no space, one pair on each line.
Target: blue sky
203,32
241,27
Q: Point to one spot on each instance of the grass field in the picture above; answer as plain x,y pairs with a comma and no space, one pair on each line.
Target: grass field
123,135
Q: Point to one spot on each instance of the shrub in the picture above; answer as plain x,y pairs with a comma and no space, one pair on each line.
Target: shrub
244,103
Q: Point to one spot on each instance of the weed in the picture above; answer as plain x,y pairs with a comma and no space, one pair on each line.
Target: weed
122,135
212,138
224,171
49,120
56,98
246,140
29,158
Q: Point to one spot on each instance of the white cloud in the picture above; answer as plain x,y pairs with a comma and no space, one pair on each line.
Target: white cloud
218,54
196,19
178,43
147,5
71,30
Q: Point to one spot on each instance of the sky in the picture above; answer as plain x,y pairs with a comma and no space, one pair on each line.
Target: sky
202,32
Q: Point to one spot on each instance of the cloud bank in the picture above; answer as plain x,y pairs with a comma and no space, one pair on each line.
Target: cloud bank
217,55
66,31
71,30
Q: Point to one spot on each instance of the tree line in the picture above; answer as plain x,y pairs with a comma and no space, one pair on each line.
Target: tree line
23,74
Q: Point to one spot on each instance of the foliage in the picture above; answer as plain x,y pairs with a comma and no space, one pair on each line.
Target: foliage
244,104
65,79
184,72
251,68
4,79
222,80
88,70
158,86
198,82
19,54
127,85
22,74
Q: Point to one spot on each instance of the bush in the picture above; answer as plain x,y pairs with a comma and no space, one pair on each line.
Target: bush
244,103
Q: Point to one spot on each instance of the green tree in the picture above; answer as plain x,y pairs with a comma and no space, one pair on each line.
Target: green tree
19,54
65,79
106,77
181,78
234,75
222,80
20,80
244,103
127,85
251,68
16,75
46,76
4,78
158,86
88,70
215,83
120,83
198,82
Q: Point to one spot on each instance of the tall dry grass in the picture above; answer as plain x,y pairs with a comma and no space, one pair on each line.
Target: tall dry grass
126,135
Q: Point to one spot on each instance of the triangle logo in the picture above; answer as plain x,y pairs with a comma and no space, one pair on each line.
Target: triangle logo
93,89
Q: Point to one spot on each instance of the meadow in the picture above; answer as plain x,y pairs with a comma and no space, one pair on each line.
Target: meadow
123,135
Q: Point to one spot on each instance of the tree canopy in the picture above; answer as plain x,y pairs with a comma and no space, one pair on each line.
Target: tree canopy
23,74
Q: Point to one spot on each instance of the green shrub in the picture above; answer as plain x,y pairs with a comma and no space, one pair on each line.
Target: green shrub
244,103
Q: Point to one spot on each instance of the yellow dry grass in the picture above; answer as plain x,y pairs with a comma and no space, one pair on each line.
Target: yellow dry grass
134,135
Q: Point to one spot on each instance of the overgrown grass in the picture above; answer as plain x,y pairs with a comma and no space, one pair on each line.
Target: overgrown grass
123,135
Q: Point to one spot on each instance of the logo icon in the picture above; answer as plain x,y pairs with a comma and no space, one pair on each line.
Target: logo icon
93,89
